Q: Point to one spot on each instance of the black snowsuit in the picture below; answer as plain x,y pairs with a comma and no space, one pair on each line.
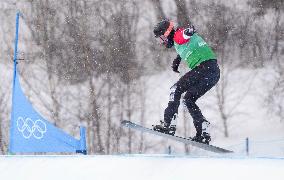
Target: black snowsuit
195,84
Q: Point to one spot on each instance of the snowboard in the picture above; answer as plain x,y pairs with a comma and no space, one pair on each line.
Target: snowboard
188,141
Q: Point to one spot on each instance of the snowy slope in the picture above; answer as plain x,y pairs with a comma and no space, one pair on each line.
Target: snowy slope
137,167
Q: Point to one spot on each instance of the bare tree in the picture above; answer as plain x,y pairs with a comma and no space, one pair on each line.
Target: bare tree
223,26
182,13
121,49
3,117
262,6
158,9
275,97
43,24
142,99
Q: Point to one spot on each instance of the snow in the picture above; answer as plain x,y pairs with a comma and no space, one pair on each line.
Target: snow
166,167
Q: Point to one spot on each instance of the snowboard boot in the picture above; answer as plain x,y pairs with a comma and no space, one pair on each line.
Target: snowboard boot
207,138
203,136
165,128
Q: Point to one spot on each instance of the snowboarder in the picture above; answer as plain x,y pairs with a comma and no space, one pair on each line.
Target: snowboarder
204,74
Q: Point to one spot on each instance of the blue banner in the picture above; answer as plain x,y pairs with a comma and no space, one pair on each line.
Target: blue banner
29,131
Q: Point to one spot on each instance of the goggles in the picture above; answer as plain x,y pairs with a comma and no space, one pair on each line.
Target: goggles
164,37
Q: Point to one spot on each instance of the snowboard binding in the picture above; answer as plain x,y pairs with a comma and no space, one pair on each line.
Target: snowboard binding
205,138
165,128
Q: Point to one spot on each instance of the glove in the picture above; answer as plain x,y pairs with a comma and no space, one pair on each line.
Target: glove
176,63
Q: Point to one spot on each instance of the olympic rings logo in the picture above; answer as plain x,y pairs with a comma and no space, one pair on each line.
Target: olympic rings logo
29,128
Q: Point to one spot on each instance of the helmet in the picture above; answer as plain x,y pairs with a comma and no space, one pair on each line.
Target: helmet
163,28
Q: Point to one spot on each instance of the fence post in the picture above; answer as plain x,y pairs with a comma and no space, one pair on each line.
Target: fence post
247,146
170,150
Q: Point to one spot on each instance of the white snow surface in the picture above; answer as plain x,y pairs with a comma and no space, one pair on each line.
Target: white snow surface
139,167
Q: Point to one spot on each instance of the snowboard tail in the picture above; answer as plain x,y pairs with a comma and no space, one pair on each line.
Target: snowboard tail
188,141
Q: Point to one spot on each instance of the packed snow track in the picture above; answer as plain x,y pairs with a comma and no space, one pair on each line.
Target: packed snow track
139,167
